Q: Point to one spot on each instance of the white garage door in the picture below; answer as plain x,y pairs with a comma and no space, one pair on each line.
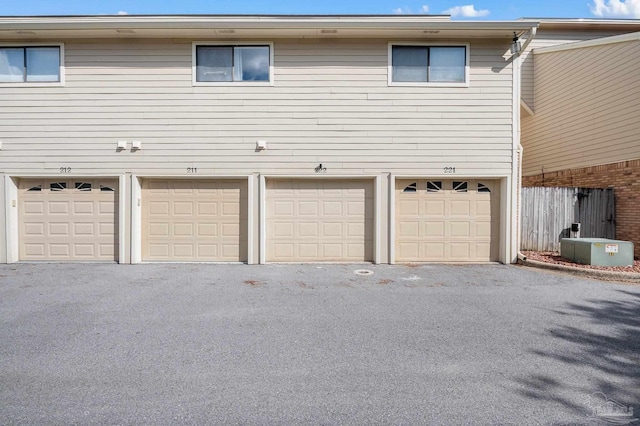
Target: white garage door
319,220
447,220
199,220
68,219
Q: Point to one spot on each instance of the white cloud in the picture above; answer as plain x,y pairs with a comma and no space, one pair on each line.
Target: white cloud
467,11
407,10
402,11
122,12
616,8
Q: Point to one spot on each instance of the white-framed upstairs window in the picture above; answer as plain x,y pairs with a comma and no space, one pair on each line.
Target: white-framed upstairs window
417,64
225,64
32,64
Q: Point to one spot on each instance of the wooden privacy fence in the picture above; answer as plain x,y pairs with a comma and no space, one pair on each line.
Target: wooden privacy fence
547,215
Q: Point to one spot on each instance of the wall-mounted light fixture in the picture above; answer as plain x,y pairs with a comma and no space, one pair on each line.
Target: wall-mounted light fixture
135,145
261,145
121,145
516,47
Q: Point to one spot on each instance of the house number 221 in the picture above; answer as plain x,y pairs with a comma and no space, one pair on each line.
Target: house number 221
449,170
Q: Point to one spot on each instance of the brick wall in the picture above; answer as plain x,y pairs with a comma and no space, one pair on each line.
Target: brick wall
624,177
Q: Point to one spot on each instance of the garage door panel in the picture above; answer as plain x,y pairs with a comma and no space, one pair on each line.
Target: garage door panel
483,230
460,250
433,208
319,220
158,250
308,251
460,208
408,208
80,229
106,250
106,229
84,250
67,220
33,207
283,208
208,250
158,208
194,220
182,229
408,229
460,229
83,207
207,230
332,208
58,207
60,250
206,208
446,220
283,229
182,208
433,229
356,229
34,250
34,229
309,229
59,229
433,251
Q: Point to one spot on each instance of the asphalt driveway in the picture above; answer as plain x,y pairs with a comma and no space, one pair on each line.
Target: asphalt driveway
293,344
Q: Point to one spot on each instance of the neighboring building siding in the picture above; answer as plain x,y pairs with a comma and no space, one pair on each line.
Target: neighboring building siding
546,38
624,177
587,109
330,104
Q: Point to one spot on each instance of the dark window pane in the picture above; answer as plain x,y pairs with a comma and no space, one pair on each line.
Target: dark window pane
409,63
411,188
11,64
57,186
251,63
483,188
434,186
83,186
447,64
43,64
214,63
459,186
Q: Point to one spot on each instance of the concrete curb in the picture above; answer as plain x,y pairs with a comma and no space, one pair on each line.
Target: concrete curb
590,273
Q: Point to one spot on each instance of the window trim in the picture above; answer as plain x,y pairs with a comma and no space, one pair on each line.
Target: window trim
390,81
35,83
194,76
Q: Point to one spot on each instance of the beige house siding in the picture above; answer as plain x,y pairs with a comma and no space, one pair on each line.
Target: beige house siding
587,108
546,38
330,104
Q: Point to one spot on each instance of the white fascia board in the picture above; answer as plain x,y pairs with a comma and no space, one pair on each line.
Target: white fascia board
254,22
624,38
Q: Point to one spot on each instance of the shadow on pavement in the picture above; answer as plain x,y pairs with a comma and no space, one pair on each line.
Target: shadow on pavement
613,351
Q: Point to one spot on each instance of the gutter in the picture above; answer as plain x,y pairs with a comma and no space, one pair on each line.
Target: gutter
253,22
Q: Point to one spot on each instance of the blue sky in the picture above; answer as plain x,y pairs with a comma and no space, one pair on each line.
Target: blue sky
459,9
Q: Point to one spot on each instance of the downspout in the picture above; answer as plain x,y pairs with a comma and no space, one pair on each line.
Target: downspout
517,153
521,257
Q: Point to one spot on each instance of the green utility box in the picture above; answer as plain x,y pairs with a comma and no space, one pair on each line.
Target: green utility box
597,251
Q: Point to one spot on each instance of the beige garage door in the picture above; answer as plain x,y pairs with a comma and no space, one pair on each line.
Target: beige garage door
447,220
199,220
68,219
319,220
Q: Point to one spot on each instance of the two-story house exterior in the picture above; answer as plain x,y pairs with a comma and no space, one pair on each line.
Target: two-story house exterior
259,139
